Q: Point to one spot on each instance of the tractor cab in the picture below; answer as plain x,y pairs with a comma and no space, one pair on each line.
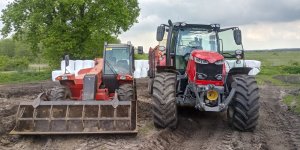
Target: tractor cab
184,38
118,65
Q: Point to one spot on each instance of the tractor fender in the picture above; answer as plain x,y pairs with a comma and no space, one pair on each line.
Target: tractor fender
235,71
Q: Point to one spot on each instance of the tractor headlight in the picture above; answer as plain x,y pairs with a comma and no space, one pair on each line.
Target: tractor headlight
201,61
219,76
201,76
220,62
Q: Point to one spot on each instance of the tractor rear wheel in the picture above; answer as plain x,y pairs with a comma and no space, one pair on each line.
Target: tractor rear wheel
243,111
59,94
164,106
125,92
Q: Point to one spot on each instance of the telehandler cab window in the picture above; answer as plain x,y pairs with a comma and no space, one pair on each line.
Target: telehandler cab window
116,61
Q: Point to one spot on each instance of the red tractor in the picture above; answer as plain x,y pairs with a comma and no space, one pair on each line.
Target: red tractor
192,69
100,99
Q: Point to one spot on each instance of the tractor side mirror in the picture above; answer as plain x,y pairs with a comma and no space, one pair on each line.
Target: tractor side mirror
160,33
140,50
67,60
237,34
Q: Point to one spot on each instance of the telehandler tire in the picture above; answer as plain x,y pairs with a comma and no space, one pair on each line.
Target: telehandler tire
125,92
243,111
164,106
59,93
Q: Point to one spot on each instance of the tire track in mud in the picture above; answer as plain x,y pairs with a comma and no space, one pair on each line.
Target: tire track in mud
286,125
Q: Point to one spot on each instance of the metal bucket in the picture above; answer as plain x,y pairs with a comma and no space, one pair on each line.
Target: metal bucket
76,117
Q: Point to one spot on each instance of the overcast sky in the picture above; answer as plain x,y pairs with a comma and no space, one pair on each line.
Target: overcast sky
265,24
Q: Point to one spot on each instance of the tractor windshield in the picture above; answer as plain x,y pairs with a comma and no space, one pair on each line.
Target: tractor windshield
116,60
195,38
190,39
228,45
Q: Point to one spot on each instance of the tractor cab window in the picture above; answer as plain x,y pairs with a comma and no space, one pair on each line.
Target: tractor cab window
117,61
227,43
191,39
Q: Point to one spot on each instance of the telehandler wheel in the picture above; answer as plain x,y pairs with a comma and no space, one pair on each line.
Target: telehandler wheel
125,92
164,106
243,111
59,94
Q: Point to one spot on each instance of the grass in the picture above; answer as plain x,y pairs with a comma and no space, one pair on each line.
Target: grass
141,56
280,68
23,77
293,102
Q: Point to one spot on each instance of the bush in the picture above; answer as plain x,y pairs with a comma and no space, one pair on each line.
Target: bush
13,64
292,69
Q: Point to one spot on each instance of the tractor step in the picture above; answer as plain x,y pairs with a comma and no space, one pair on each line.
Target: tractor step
76,117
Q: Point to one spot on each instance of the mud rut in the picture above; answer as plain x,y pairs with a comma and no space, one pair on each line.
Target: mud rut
278,128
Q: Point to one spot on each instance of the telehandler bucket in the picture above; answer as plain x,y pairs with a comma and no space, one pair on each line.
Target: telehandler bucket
75,117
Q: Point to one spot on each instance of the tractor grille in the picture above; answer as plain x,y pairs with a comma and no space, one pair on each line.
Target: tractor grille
210,70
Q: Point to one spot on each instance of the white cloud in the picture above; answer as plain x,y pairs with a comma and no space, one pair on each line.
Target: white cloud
265,24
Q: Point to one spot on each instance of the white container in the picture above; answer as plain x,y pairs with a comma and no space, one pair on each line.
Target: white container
70,68
78,66
137,73
144,72
56,73
88,64
138,64
145,64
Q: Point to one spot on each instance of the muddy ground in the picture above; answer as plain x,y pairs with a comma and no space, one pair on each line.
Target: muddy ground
278,128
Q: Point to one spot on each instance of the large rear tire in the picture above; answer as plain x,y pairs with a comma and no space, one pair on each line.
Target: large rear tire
125,92
243,111
164,106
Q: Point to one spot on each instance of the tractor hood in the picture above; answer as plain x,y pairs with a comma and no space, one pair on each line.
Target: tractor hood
211,57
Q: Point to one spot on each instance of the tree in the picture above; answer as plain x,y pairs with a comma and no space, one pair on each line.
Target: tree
75,27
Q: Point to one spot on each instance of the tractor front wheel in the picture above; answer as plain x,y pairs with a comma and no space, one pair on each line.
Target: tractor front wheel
243,111
125,92
164,106
59,94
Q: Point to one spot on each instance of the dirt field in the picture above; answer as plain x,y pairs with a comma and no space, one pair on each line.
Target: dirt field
278,128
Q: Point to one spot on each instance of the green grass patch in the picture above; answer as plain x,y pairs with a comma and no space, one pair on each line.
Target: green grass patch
275,58
293,102
23,77
141,56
